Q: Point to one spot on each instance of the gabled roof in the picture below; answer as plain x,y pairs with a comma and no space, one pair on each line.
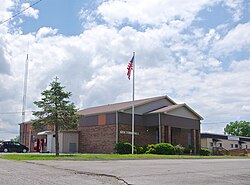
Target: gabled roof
120,106
174,107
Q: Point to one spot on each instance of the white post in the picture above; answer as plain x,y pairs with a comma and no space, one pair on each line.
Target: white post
133,106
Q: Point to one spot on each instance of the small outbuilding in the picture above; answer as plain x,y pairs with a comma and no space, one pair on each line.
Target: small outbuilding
68,142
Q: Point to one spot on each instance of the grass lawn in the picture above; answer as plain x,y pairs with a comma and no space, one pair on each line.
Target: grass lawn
20,157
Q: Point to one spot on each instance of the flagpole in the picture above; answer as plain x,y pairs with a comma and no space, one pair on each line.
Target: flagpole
133,106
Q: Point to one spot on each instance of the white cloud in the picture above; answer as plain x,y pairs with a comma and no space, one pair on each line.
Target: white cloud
213,62
187,66
149,12
45,31
242,66
225,93
7,131
235,7
246,108
5,12
4,64
235,40
30,12
210,37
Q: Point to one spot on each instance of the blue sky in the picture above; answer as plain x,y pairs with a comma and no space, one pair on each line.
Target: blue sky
194,52
53,13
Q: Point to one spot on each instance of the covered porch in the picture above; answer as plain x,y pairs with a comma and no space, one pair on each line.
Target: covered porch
175,130
188,138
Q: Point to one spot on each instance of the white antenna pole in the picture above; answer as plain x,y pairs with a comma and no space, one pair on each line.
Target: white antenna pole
24,96
25,85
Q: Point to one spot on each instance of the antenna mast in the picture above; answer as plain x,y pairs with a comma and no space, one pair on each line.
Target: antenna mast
25,85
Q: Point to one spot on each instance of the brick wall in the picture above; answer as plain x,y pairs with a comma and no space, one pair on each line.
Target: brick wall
239,152
180,136
21,134
233,152
146,135
97,139
102,138
24,133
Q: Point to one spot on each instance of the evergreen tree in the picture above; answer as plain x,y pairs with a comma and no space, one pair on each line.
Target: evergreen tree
55,110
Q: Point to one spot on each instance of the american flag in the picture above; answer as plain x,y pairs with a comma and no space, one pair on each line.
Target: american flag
130,67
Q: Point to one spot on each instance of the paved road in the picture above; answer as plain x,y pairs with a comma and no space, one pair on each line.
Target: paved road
23,173
136,172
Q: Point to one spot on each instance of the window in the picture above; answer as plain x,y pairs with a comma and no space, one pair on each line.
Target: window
246,146
211,144
236,145
220,144
232,145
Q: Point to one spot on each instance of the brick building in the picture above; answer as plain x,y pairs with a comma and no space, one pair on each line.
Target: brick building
157,119
43,139
32,138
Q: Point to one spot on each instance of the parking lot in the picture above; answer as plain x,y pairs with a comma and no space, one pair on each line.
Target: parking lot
141,172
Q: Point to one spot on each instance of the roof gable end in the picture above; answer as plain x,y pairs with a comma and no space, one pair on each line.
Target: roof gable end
123,106
181,110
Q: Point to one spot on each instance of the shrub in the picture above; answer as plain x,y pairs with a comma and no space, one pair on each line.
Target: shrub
205,152
150,149
186,151
179,149
161,148
123,148
165,149
140,149
189,149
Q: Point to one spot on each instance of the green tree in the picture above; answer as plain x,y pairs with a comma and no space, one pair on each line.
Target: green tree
55,110
17,139
238,128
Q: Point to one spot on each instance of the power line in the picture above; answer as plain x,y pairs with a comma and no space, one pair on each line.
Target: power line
15,112
15,15
215,122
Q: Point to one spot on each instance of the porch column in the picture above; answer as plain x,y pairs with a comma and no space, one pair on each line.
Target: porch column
194,140
163,134
169,134
116,128
159,121
198,135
